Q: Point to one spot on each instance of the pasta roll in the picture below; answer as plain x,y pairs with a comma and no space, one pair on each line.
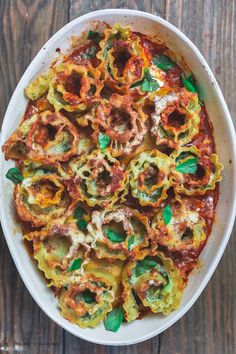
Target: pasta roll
176,118
61,252
152,280
121,120
97,178
119,232
41,198
15,148
123,58
148,177
52,137
46,137
38,87
87,301
186,229
73,87
194,172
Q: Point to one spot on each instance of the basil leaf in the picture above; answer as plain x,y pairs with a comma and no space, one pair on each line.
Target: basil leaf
88,296
79,212
103,140
76,264
167,214
200,96
189,83
94,36
114,236
137,83
149,83
189,166
163,62
131,242
81,223
14,175
90,53
143,266
114,319
183,155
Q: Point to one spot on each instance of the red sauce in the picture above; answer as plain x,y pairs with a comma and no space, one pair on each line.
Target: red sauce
205,131
173,77
81,55
151,46
30,110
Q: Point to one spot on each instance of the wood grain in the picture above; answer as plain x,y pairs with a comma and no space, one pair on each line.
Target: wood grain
210,326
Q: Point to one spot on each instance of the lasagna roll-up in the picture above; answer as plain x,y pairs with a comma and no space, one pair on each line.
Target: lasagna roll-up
153,281
119,232
38,87
176,118
52,138
61,252
97,179
193,172
121,120
72,87
148,177
87,300
41,198
15,148
123,58
186,229
46,137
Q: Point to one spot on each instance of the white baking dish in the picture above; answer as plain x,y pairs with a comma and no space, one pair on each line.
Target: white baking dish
226,148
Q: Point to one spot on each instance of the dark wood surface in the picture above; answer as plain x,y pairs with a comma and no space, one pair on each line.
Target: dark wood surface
210,326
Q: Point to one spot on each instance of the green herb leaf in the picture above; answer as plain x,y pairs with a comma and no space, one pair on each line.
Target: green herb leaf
189,83
114,236
163,62
149,83
14,175
137,83
167,214
131,242
114,319
88,296
143,266
76,264
94,36
103,140
81,223
189,166
79,212
200,96
183,155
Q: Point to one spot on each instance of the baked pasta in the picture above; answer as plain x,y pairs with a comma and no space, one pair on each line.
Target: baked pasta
116,177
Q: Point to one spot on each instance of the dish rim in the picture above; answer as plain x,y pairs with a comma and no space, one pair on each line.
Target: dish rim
227,120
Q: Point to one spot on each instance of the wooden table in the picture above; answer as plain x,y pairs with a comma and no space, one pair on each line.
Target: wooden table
210,326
